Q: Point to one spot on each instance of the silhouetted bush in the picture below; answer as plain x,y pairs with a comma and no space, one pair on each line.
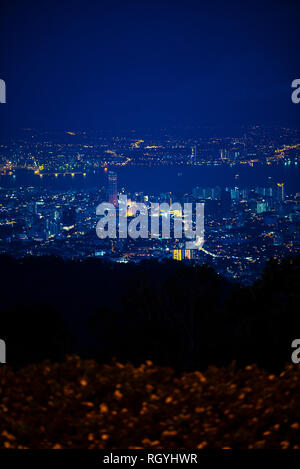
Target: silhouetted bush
175,314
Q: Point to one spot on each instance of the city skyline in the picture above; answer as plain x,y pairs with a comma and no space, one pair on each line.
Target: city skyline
51,185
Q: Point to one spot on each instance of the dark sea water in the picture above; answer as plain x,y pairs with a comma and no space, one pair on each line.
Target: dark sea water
152,180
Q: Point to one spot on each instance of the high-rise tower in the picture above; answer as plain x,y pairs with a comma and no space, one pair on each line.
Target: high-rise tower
280,191
112,188
193,153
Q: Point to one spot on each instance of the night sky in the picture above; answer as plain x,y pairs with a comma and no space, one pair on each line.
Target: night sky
136,64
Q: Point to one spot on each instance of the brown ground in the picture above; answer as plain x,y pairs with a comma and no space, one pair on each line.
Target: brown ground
80,404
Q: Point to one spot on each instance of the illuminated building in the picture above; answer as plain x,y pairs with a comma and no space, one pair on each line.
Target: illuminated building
38,205
261,207
181,254
112,188
223,154
69,218
187,254
280,188
234,193
278,239
193,153
177,255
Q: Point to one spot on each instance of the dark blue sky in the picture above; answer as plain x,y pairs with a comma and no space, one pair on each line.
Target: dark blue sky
132,64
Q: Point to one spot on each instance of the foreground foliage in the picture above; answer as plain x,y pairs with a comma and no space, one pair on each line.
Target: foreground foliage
80,404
